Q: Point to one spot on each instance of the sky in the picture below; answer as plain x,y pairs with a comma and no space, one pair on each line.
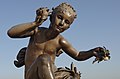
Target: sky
97,24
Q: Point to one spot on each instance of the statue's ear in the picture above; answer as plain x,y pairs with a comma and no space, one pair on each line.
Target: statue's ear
51,18
51,14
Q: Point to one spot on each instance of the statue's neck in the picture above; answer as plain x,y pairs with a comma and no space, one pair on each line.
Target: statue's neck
51,33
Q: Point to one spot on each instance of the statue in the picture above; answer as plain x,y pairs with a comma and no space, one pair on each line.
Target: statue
47,43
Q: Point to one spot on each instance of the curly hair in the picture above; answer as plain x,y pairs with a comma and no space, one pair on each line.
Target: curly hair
63,8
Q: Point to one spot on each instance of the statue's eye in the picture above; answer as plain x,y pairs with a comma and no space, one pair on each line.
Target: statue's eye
67,21
60,17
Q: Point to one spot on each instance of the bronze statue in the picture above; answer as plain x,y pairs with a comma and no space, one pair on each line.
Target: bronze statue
46,43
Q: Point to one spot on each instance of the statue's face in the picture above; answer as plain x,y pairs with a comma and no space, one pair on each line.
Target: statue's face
61,21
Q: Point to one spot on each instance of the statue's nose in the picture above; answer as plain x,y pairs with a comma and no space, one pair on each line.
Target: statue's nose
61,23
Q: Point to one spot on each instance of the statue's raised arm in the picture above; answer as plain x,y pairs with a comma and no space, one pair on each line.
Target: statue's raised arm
28,29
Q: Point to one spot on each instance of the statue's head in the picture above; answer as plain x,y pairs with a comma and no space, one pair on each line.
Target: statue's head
63,15
65,8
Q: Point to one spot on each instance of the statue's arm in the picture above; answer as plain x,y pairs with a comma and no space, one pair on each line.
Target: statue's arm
28,29
22,30
80,56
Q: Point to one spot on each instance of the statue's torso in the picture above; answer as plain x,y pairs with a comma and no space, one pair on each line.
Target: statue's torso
38,45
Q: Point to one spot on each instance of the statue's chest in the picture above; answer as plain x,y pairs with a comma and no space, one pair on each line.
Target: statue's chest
45,45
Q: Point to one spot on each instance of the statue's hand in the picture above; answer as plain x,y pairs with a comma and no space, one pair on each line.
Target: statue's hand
41,15
101,53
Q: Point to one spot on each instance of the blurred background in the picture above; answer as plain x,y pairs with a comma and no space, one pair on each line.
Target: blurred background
97,24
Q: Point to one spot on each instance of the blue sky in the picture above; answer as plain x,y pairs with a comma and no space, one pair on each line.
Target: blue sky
97,24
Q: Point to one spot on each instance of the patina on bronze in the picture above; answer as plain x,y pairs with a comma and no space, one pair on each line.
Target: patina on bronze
47,43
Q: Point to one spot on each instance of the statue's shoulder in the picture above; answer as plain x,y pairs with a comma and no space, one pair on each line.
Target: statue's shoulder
40,29
60,36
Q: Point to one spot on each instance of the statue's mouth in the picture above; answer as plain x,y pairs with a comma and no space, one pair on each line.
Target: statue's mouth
58,28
